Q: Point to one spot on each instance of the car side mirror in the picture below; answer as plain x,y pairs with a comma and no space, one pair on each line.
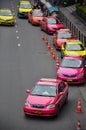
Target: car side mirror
17,6
13,14
30,12
27,91
57,65
61,93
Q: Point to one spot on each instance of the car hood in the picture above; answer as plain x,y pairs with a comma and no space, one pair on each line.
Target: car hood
62,40
40,100
37,18
81,53
6,17
70,71
57,26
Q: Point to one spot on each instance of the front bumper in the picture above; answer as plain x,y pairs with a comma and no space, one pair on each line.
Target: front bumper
39,112
23,14
7,22
73,80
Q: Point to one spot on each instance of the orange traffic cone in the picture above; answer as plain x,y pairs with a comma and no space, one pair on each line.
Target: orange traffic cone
78,125
49,47
57,62
79,109
52,51
53,56
46,41
42,36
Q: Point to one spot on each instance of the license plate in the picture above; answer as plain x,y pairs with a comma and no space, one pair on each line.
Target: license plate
37,112
69,80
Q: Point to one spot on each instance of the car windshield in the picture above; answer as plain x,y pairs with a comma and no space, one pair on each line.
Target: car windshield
71,63
44,90
26,6
37,14
5,13
74,47
52,21
64,35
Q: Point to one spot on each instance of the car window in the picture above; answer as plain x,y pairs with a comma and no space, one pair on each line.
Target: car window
37,14
71,63
64,35
74,47
44,90
64,45
26,6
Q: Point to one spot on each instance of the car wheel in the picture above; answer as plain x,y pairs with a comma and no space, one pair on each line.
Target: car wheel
47,31
26,115
28,20
32,23
58,111
41,28
61,54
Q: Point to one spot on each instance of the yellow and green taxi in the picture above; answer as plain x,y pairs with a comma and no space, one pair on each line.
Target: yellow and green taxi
23,8
73,47
7,17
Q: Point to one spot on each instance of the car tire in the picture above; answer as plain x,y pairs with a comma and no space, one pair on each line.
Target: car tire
61,54
25,115
41,28
29,20
47,31
58,111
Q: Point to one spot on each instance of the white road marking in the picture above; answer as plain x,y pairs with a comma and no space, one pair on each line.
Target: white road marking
16,31
17,37
19,44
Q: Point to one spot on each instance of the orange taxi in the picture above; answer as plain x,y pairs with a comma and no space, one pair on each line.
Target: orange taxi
35,16
62,36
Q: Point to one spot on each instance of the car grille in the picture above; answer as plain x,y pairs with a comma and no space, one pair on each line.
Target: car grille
70,76
55,28
37,105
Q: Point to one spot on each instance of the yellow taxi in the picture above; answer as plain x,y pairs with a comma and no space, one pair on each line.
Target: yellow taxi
73,47
7,17
23,8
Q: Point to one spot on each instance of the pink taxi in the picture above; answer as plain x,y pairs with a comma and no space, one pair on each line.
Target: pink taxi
46,97
72,69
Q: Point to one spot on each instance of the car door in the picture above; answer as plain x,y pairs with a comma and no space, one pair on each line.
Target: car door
62,93
30,16
63,50
43,23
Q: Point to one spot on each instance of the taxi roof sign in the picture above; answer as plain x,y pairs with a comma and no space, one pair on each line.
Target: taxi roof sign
48,79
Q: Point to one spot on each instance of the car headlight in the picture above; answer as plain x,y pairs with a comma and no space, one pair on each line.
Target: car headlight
59,43
81,75
51,106
27,104
59,74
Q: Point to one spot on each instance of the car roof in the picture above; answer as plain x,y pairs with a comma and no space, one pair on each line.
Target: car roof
37,10
24,2
48,81
74,42
5,9
76,57
64,30
50,17
53,8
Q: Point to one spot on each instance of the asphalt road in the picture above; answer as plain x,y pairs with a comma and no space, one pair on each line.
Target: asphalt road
24,59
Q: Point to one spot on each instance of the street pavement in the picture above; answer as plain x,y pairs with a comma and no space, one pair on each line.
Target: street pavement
70,13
